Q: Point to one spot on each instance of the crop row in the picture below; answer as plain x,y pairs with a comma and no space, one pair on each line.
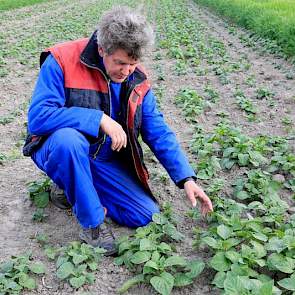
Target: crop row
269,19
251,235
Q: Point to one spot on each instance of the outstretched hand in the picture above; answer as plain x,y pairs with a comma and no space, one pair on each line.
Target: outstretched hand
194,192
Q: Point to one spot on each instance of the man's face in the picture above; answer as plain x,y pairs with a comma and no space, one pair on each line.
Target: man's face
118,65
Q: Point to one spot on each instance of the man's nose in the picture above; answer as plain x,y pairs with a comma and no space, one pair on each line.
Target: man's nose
126,70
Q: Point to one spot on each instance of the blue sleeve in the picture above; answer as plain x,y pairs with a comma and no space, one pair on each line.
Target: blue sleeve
47,111
162,141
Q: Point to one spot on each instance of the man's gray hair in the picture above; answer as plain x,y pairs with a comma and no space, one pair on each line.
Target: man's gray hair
123,28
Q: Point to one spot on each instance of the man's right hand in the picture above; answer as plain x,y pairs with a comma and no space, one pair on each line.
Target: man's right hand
115,131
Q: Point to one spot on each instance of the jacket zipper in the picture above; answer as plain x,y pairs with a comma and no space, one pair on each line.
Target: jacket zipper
110,100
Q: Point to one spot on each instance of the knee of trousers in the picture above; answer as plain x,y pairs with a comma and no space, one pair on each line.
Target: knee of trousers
68,141
137,219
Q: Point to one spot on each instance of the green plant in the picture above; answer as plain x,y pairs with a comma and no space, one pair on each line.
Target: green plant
152,257
262,93
191,102
16,274
245,104
75,263
211,93
39,195
3,158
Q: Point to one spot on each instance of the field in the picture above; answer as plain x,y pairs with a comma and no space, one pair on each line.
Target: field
230,101
272,19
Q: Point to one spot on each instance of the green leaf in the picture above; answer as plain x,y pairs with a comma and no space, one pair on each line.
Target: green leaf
78,282
182,279
224,231
92,265
150,267
77,258
131,282
37,268
260,237
119,260
172,232
65,270
175,260
50,252
156,256
61,260
159,219
227,163
211,242
152,264
29,284
195,267
41,199
90,277
233,284
258,249
164,248
6,267
163,283
219,279
140,257
242,195
219,262
243,159
227,244
146,244
266,288
233,256
288,283
281,263
202,174
80,268
126,245
275,244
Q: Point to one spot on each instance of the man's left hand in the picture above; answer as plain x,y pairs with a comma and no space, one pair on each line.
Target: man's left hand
194,192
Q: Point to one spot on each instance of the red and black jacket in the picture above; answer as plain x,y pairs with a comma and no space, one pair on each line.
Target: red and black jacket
87,85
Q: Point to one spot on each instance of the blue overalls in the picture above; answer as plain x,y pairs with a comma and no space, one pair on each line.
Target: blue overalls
106,181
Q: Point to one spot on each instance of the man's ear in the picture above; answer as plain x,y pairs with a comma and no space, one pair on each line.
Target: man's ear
100,51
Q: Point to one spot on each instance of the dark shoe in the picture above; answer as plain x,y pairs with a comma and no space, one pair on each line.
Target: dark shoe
102,237
58,198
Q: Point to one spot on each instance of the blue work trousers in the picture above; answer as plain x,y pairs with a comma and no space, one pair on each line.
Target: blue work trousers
92,184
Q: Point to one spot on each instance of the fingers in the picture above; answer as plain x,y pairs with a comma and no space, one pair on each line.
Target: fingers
115,131
206,204
195,192
193,200
119,140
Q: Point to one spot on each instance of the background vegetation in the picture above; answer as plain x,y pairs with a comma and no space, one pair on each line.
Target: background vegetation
10,4
273,19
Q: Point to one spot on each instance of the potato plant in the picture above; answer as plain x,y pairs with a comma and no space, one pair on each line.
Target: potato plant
18,272
75,263
151,254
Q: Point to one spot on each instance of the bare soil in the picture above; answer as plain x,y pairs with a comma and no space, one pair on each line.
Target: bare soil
18,231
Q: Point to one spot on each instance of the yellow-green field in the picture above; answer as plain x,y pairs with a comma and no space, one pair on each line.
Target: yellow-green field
10,4
273,19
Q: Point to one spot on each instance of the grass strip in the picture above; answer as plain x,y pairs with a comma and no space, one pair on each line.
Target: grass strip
12,4
272,19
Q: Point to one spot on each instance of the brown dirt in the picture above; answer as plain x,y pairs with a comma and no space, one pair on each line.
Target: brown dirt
17,230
